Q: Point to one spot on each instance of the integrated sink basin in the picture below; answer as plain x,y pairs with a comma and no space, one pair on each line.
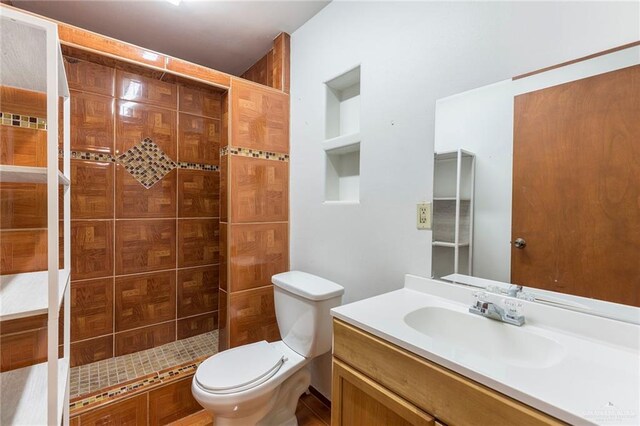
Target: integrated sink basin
464,335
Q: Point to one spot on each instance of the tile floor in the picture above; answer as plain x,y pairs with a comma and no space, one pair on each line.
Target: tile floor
90,378
310,412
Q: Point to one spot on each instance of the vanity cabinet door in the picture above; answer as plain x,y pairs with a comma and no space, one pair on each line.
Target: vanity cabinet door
357,400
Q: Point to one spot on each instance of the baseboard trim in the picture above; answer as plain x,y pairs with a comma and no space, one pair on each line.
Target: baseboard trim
315,392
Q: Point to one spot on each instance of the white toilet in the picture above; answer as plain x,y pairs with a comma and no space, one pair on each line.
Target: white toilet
260,383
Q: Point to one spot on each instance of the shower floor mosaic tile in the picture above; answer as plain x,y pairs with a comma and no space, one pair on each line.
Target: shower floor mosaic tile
127,369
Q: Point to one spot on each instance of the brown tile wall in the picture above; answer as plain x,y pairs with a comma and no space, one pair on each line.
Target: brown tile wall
158,406
254,228
273,68
145,261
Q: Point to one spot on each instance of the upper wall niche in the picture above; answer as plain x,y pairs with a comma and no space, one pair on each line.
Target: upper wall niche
343,105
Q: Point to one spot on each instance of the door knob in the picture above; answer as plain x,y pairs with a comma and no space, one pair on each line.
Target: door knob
519,243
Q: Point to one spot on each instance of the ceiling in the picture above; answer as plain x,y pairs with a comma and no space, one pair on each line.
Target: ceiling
227,35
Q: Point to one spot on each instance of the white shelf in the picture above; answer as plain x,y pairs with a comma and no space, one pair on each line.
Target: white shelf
26,174
450,199
344,143
23,394
24,295
447,244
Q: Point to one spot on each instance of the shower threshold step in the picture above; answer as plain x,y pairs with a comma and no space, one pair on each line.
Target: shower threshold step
102,382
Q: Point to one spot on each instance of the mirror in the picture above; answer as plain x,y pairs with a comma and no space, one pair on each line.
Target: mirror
537,183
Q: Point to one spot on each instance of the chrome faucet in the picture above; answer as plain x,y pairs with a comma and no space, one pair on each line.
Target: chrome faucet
510,315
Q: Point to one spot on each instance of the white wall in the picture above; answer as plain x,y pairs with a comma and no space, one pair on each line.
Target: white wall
411,54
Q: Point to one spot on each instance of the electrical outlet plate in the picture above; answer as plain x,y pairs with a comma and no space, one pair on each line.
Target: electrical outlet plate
424,216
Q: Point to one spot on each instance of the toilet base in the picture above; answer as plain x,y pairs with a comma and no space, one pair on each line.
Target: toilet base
284,408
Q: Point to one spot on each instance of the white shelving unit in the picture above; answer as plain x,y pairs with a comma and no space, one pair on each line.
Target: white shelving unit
454,173
342,139
32,60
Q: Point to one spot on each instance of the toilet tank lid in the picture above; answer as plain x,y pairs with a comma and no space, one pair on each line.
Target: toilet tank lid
307,285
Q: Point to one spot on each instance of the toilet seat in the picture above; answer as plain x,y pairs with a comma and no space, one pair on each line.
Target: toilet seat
239,369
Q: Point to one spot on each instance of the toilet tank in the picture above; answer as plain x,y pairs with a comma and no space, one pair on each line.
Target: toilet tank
302,304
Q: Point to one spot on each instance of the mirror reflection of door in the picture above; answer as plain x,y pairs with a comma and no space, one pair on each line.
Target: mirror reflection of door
576,188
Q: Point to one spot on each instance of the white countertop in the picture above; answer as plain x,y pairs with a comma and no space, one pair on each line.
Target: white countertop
594,380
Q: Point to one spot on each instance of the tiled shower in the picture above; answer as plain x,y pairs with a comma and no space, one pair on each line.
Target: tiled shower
145,209
144,212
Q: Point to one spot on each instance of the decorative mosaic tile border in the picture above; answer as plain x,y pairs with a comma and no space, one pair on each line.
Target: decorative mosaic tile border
110,158
254,153
24,121
93,156
196,166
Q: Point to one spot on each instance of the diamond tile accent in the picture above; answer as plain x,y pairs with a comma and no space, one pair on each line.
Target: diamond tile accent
147,163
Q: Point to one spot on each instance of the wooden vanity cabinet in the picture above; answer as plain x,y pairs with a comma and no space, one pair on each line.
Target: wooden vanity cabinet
378,383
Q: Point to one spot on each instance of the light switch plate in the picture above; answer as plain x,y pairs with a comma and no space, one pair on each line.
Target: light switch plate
424,216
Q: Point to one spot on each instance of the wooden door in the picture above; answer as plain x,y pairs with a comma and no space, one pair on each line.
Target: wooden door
357,400
576,187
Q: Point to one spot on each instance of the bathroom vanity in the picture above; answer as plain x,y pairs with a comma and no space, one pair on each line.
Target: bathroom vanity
417,356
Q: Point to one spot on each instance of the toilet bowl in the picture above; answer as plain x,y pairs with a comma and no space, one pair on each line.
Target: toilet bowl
260,383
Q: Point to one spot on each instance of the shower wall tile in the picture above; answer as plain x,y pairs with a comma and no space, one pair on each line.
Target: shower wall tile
23,251
92,122
91,350
198,193
142,300
252,317
23,147
257,252
132,87
195,100
224,188
145,245
260,190
23,349
197,290
223,317
144,338
135,201
23,205
224,251
91,308
192,326
260,118
90,77
92,186
23,102
136,121
92,248
198,242
199,139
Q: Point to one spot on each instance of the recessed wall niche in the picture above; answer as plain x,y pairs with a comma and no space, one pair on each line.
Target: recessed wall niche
343,104
342,138
343,174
